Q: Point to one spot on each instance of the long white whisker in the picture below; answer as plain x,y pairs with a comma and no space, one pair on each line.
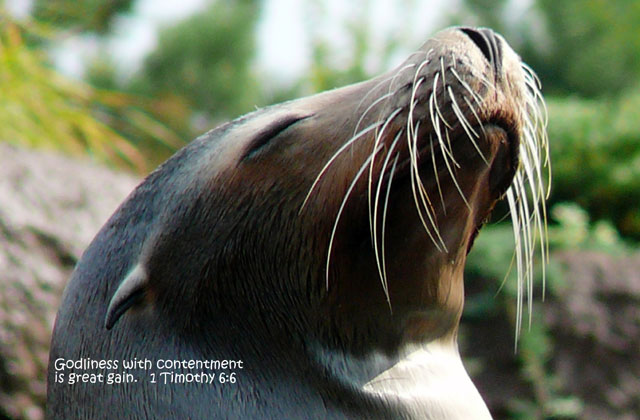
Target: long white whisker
455,181
466,86
476,116
419,191
381,268
471,133
435,101
364,166
384,223
333,158
413,171
389,79
376,145
515,221
435,173
369,108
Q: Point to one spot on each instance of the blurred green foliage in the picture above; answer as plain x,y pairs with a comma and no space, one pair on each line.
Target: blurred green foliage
41,108
590,47
596,157
325,74
489,13
206,61
80,15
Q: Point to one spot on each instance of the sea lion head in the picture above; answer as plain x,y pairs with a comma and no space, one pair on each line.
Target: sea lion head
342,218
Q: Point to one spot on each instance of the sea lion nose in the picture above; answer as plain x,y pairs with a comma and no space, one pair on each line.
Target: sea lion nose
490,45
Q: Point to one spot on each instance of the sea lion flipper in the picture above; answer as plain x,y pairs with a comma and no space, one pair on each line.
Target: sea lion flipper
130,292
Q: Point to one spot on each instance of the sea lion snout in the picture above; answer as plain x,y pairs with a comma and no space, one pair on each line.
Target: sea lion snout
435,143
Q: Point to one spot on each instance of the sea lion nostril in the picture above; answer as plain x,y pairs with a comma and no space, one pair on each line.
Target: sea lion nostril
486,40
481,42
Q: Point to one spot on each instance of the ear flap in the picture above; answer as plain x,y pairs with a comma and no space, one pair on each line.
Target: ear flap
130,292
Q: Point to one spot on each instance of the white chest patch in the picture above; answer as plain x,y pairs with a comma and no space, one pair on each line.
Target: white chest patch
433,382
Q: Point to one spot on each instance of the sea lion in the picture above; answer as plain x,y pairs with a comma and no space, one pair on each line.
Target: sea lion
306,260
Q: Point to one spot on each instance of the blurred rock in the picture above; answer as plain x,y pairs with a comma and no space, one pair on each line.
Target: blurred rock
596,327
593,321
50,208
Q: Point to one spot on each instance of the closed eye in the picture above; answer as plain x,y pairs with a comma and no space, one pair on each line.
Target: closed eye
264,136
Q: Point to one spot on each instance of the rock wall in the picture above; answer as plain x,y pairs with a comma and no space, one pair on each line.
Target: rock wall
593,322
50,208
